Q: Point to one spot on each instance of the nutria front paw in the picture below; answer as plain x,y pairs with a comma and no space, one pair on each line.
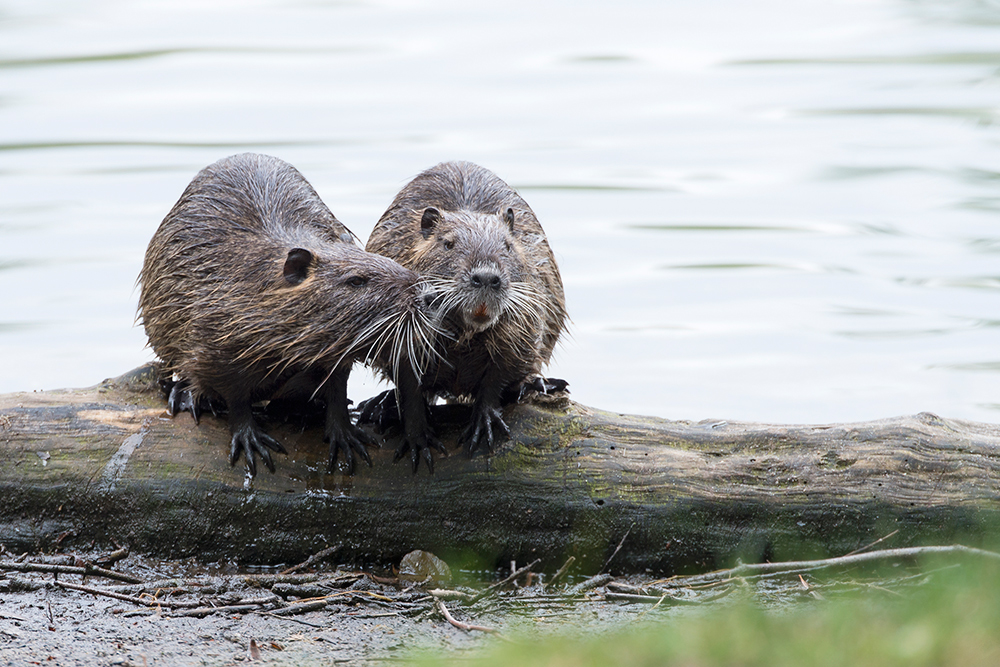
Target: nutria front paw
250,440
380,411
480,433
181,400
420,448
350,440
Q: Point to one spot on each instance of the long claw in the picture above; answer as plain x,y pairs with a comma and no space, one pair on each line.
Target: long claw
353,442
235,449
265,457
420,450
415,457
480,433
251,441
428,459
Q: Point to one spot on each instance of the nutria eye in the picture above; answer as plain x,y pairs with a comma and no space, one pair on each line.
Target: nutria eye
448,245
357,281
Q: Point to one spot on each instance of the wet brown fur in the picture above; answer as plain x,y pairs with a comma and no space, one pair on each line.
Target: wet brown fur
478,221
234,312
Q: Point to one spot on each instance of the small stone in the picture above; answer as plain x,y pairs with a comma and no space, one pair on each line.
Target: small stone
423,566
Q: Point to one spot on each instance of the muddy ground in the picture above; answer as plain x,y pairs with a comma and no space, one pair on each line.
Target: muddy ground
120,609
366,621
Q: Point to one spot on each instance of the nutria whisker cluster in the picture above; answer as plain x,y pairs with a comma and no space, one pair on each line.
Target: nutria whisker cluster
395,339
522,309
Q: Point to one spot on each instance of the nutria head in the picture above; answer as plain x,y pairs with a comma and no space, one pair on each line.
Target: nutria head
483,252
334,302
475,268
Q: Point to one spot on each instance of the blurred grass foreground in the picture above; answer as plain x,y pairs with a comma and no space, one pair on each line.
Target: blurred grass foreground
940,611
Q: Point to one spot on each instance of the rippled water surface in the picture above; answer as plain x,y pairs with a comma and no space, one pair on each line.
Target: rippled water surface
774,211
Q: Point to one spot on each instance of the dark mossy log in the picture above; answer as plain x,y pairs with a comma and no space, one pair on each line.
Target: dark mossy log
107,466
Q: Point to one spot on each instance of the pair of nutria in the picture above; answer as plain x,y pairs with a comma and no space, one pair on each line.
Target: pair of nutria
251,284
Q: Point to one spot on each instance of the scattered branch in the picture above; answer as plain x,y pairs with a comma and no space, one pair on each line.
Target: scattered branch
200,612
300,608
110,559
617,549
870,545
141,601
561,571
316,557
86,570
793,567
590,584
513,575
458,624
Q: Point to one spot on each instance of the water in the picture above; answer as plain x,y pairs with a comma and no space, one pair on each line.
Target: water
774,211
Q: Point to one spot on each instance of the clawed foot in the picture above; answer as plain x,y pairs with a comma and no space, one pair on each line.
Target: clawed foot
543,386
420,448
486,421
250,440
181,399
350,440
380,411
537,384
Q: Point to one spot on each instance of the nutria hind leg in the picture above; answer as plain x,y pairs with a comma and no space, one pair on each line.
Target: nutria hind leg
418,434
339,432
381,411
248,438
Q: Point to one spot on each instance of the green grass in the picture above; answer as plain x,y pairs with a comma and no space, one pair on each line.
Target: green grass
951,618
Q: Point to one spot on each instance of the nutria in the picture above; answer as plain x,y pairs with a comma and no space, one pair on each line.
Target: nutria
251,284
497,287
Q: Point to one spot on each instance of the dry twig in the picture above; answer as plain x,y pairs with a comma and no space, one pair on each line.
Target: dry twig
458,624
617,549
589,584
514,575
312,559
793,567
561,571
141,601
86,570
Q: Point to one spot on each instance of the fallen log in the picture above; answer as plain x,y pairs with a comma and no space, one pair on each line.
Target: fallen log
107,465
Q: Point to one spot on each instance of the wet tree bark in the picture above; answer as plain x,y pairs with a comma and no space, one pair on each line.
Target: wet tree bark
106,465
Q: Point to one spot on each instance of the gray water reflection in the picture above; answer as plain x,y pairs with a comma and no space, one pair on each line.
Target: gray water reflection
959,58
772,211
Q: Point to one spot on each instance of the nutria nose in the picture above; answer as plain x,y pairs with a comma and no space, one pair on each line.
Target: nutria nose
486,280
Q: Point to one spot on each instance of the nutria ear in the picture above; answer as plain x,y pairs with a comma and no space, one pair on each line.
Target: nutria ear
430,218
508,217
297,265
